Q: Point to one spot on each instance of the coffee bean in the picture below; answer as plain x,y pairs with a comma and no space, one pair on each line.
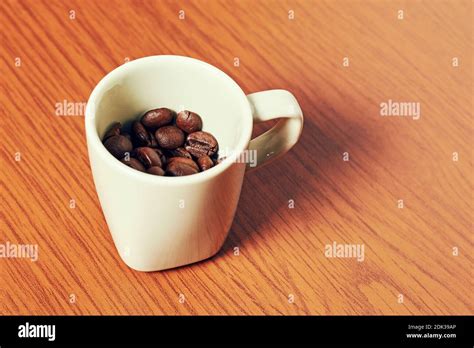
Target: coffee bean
133,163
205,162
148,156
118,145
179,166
153,142
162,157
180,152
156,171
156,143
156,118
114,129
187,161
201,143
169,137
189,121
140,134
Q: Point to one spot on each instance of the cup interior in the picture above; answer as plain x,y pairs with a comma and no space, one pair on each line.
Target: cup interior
178,83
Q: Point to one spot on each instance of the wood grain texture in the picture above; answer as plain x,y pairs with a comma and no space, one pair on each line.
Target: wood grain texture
408,251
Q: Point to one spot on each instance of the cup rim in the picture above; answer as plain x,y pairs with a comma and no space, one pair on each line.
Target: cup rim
93,139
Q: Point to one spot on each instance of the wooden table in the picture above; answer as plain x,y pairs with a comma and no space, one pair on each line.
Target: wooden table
400,186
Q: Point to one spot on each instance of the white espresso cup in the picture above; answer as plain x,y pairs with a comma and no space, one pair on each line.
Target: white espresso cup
160,222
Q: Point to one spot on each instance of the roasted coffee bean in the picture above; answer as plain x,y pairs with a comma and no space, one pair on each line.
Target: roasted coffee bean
169,137
201,143
133,163
205,162
140,134
153,142
148,156
156,118
179,166
160,147
114,129
162,157
180,152
118,145
188,161
156,171
189,121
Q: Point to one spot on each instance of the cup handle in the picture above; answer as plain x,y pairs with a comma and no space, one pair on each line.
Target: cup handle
268,105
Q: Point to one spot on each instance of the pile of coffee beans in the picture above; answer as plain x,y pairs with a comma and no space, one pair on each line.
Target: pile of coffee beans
164,143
